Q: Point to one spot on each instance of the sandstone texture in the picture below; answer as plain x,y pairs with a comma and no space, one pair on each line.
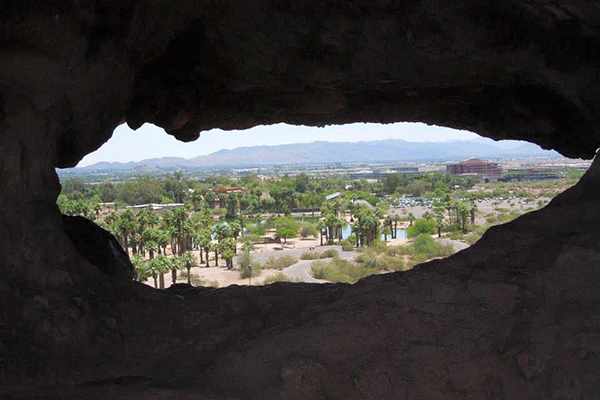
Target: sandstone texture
516,316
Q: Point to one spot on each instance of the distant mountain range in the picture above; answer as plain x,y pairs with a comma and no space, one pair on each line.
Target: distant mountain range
392,150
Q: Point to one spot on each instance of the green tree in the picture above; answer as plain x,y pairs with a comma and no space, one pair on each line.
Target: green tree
226,248
140,268
421,227
189,261
204,239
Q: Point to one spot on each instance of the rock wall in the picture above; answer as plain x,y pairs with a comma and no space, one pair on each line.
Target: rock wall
515,316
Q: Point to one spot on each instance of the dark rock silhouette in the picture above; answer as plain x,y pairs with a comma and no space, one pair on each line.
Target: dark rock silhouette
513,317
98,247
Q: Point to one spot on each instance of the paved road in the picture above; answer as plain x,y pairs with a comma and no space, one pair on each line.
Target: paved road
301,270
263,256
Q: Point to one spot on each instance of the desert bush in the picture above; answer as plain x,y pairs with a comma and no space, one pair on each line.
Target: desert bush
279,263
426,246
347,245
280,277
253,238
309,255
307,229
329,253
380,262
194,279
250,270
339,270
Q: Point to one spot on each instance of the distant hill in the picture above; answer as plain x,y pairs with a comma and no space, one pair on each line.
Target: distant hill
345,152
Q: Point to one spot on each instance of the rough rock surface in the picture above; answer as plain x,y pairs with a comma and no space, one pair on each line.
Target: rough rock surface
516,316
98,247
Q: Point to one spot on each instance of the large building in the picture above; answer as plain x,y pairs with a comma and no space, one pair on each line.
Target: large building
475,166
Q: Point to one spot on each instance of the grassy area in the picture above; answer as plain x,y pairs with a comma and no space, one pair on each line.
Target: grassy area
280,277
196,280
380,258
329,253
279,263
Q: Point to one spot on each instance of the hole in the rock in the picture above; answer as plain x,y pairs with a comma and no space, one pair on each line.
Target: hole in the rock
280,203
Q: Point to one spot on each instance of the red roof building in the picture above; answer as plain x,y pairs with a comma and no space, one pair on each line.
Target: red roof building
475,166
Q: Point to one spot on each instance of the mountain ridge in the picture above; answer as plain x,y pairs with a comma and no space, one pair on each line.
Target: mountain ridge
388,150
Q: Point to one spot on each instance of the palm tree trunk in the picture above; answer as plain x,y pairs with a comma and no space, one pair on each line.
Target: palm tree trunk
155,284
216,259
189,276
173,276
207,265
162,281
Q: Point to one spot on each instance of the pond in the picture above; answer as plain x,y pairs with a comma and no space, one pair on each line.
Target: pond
347,232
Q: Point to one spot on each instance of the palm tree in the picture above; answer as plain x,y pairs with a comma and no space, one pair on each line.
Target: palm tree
97,209
321,227
152,247
189,262
226,249
176,264
388,222
214,247
204,239
163,266
163,239
411,218
439,217
125,226
222,231
472,210
140,267
396,219
196,200
154,269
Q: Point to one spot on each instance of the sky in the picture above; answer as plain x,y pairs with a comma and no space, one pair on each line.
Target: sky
150,141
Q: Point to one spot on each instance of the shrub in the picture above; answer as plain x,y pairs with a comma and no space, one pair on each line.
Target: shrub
309,255
280,277
329,253
389,263
245,260
258,231
254,238
420,227
307,229
426,246
194,279
279,263
380,262
339,270
250,270
347,245
398,250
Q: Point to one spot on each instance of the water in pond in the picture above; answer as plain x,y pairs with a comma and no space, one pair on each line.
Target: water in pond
347,232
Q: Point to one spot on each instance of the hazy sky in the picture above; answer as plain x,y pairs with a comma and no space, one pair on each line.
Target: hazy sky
152,142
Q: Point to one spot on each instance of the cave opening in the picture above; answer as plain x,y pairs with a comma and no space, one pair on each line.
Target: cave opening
294,207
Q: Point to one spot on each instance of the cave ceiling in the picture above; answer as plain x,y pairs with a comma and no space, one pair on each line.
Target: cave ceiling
507,70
